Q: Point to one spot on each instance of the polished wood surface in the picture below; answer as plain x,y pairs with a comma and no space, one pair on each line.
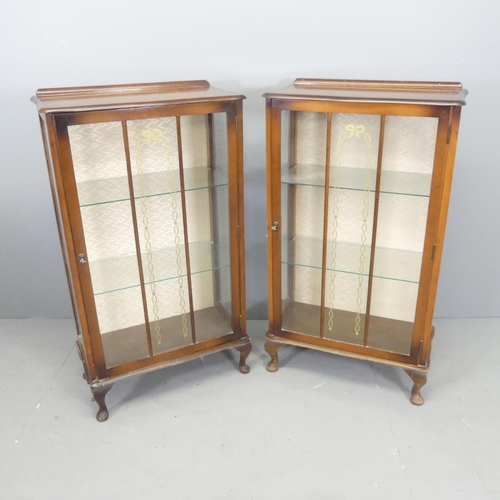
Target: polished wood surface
128,96
419,380
385,334
325,222
430,268
244,351
236,230
49,136
448,158
130,344
272,349
240,205
136,237
174,358
74,235
124,89
99,396
338,348
439,93
379,85
374,231
185,228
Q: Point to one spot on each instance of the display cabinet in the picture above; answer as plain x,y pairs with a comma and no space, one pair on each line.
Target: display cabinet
147,185
359,177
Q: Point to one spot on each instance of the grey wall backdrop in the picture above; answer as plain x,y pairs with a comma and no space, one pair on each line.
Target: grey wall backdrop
247,47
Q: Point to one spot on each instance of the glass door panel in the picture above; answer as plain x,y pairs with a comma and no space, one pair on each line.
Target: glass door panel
154,206
154,153
326,265
407,165
303,170
287,210
353,166
100,167
205,143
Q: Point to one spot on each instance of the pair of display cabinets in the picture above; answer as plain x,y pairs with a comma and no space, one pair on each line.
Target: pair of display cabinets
147,183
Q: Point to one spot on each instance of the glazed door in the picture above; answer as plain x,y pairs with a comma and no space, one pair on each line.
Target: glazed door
153,211
355,193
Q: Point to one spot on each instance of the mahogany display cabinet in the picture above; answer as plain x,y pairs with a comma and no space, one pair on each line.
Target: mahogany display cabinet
358,182
147,182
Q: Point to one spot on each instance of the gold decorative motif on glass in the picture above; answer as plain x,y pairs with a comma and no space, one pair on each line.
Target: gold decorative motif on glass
148,136
350,132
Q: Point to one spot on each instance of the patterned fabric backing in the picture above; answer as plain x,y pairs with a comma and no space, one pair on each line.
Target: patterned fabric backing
407,163
100,168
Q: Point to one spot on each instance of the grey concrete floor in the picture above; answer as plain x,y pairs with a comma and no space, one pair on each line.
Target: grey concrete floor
322,427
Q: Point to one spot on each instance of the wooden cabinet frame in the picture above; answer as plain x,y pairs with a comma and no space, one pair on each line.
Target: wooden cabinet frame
332,97
60,109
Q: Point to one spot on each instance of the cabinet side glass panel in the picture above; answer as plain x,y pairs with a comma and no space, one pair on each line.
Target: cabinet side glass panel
154,154
287,210
353,167
303,157
205,144
407,165
98,155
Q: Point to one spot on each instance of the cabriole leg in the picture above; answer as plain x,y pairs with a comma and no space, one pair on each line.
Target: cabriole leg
272,349
99,395
244,351
419,380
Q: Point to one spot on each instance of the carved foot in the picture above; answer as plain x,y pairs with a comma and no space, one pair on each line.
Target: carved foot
272,349
99,395
244,351
419,380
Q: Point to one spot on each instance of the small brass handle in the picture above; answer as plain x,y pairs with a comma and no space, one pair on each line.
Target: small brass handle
81,259
275,226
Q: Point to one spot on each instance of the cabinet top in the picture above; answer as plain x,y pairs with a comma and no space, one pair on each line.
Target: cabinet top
73,99
435,93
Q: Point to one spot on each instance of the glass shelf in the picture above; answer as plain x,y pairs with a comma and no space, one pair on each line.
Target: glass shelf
113,274
116,189
390,263
349,178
